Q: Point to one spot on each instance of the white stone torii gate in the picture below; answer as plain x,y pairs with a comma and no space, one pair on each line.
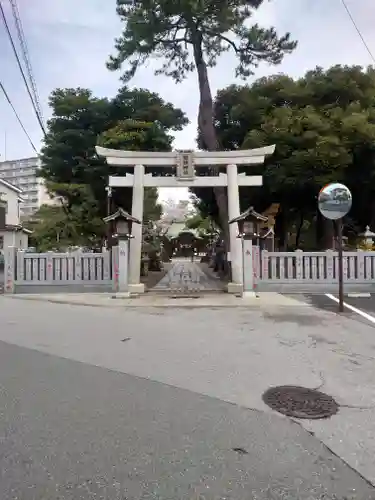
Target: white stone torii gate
185,163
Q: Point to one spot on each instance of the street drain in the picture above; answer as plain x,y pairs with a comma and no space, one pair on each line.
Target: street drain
300,402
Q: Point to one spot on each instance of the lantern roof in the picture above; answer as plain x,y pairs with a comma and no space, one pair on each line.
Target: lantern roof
121,214
368,233
250,213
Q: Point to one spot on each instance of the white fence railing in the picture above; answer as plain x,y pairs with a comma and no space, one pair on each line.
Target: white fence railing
76,269
33,272
312,267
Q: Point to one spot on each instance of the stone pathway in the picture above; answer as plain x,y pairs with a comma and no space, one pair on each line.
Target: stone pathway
187,277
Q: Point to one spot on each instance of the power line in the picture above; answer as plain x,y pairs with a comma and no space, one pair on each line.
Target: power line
17,116
2,13
26,56
358,31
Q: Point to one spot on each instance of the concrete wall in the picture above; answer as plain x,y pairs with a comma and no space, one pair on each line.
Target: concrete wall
12,215
73,288
16,239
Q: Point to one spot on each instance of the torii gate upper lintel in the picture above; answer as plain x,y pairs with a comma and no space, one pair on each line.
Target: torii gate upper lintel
185,162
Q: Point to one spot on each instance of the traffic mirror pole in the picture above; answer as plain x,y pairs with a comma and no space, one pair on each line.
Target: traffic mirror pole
340,265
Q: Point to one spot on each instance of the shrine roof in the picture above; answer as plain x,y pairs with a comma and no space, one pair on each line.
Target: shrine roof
177,228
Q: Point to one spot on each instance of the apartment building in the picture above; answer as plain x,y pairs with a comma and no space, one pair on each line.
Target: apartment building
23,174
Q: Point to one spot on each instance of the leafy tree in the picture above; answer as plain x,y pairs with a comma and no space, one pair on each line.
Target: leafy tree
75,223
191,35
152,208
324,127
134,119
200,220
47,225
204,225
136,136
141,105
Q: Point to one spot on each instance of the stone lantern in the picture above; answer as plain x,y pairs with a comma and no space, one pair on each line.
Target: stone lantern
121,223
368,237
248,230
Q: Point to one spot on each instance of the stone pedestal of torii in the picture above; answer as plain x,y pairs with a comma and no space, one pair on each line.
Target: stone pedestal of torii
186,163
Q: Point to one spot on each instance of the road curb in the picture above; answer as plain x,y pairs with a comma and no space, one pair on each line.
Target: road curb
114,303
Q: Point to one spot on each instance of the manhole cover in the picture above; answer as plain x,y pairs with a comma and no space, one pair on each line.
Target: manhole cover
300,402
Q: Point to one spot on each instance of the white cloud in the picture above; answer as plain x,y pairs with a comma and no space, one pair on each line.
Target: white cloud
70,40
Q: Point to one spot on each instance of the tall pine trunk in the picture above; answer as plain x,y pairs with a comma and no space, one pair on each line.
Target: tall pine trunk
324,232
208,132
299,228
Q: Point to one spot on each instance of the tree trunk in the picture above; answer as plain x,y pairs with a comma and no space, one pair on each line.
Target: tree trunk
299,229
329,235
206,126
324,232
371,214
319,229
282,228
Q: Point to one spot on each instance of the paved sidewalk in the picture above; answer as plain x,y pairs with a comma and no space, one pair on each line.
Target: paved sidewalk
219,300
187,276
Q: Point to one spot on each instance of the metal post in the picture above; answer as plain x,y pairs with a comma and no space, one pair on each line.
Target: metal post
243,265
334,202
340,265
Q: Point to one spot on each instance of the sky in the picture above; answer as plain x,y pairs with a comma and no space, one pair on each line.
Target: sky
69,42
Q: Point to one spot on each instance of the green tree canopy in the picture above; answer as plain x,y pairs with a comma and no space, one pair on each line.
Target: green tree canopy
134,119
190,35
323,126
169,30
204,225
65,225
136,136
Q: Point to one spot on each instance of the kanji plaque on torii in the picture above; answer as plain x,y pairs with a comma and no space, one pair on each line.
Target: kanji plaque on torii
185,169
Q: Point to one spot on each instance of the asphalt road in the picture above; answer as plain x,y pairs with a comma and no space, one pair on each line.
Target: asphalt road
79,432
364,302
